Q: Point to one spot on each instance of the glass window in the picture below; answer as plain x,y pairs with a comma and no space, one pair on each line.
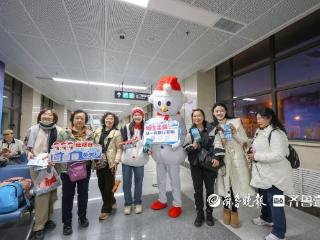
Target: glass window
253,56
300,67
255,81
223,71
7,95
224,90
299,110
5,118
246,109
298,34
8,81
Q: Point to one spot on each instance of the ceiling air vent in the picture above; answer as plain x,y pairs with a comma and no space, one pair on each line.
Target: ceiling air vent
228,25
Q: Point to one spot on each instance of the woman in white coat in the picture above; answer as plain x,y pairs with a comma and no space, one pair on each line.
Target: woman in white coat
271,171
234,178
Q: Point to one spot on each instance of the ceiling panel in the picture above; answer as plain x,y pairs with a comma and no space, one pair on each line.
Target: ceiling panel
15,19
54,71
38,48
176,68
113,77
88,21
9,47
224,51
247,10
181,38
96,76
123,18
216,6
76,73
67,54
115,62
155,68
155,30
278,15
92,57
51,18
210,40
136,65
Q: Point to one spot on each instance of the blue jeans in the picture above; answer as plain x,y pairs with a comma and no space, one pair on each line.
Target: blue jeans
127,182
269,213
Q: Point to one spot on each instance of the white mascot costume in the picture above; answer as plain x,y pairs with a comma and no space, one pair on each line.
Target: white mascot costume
167,100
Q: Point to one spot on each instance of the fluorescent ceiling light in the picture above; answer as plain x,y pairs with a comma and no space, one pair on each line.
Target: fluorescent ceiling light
97,102
249,99
69,80
190,93
4,96
101,110
141,3
98,83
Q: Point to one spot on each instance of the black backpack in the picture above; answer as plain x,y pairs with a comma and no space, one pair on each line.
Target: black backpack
293,156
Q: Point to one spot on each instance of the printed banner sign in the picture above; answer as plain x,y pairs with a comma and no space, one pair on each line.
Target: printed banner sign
75,151
166,132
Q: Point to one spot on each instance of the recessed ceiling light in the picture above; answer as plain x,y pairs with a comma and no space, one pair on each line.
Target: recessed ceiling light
99,83
141,3
97,102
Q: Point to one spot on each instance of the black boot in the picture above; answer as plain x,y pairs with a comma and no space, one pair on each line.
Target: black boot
200,218
209,219
50,225
67,228
83,222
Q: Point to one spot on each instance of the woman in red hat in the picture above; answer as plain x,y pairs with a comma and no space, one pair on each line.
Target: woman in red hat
133,160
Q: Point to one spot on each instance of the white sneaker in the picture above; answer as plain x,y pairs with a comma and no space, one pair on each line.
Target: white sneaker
127,210
260,222
138,209
273,237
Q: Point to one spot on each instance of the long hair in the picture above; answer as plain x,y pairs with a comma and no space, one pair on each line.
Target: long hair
269,113
215,120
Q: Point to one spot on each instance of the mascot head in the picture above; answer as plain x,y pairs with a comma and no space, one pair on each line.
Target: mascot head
167,98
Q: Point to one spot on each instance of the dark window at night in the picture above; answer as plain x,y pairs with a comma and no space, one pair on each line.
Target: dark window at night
246,109
303,66
301,33
299,111
224,71
252,82
253,56
224,90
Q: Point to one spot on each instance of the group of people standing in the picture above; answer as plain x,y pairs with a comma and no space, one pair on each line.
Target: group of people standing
270,171
263,167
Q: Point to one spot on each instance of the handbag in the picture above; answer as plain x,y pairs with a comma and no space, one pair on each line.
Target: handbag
135,156
205,160
77,171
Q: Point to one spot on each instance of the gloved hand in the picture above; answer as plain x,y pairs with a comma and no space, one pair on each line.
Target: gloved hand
176,145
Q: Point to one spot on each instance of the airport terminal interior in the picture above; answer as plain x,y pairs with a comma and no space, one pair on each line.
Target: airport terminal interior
128,57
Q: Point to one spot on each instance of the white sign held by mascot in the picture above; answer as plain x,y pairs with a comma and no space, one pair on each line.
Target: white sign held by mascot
166,132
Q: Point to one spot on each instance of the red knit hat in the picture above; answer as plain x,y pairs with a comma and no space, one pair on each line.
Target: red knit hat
137,110
168,83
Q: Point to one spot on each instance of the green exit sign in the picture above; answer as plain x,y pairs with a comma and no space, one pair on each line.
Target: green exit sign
131,95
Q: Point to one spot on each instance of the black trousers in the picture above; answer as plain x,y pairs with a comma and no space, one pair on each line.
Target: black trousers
199,176
105,182
68,192
232,202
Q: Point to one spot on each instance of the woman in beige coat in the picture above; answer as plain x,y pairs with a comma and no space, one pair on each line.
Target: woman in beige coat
109,138
234,178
